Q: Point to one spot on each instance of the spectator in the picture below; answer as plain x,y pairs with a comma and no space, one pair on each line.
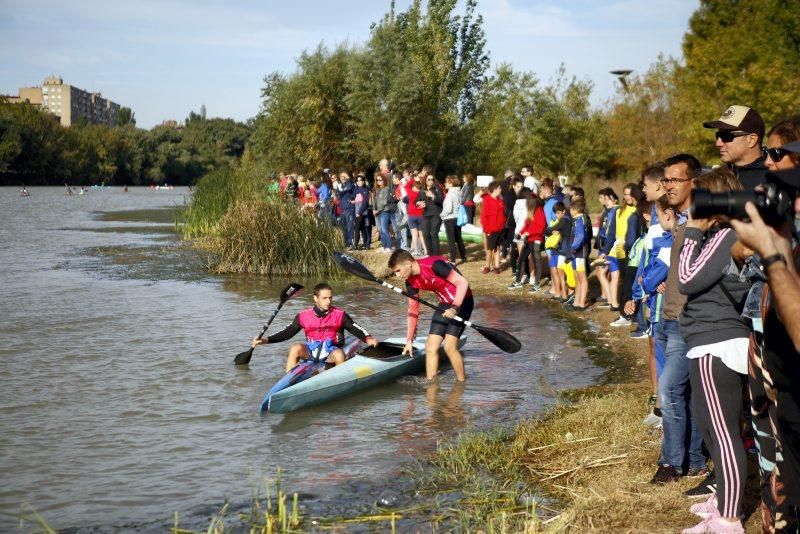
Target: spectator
580,245
467,194
347,207
532,235
450,207
717,338
400,216
609,200
740,130
622,234
681,445
384,209
415,206
493,221
363,213
431,214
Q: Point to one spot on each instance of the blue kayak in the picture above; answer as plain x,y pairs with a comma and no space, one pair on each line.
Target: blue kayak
308,384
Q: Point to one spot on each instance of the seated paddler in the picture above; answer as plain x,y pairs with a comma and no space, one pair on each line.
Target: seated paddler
324,325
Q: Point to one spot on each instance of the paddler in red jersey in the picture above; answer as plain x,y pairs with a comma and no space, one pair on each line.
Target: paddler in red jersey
324,326
436,274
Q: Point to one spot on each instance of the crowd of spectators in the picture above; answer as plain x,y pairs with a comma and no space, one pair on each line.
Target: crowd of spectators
716,292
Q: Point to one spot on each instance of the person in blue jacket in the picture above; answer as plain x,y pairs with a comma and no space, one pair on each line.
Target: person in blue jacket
347,207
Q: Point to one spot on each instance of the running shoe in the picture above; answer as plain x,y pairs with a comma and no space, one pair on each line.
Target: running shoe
638,334
570,298
516,285
717,525
707,508
525,279
603,304
706,488
621,321
665,474
697,472
534,288
614,308
652,420
652,400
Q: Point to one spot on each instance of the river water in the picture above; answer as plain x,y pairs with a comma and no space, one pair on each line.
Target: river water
120,405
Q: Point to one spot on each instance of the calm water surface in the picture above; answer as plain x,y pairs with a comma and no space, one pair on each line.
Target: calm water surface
119,403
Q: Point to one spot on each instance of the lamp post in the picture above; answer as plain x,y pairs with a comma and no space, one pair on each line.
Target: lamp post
621,75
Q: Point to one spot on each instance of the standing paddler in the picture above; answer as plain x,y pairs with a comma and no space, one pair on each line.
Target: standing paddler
324,325
436,274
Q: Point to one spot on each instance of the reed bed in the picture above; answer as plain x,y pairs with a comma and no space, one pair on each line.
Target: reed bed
268,237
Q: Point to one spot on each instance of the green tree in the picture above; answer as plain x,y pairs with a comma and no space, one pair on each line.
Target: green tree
126,117
738,52
417,83
643,122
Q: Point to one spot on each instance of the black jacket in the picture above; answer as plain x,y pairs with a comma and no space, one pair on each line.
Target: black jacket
752,174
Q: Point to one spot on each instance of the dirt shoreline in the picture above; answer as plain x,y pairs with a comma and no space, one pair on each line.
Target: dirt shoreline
587,462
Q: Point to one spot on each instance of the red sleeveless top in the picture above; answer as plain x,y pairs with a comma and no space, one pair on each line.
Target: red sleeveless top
427,279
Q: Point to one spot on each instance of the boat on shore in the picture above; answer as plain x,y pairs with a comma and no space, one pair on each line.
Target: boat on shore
308,383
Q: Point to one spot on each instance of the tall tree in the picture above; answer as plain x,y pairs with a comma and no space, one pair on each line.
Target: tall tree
738,52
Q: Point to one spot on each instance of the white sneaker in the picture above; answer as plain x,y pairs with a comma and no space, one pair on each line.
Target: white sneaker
652,420
621,321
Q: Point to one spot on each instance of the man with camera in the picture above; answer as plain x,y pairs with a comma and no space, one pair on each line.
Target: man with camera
740,131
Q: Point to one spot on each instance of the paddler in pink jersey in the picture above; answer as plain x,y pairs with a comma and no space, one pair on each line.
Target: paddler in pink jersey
324,326
435,273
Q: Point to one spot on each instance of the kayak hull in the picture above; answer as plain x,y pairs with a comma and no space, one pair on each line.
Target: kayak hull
368,368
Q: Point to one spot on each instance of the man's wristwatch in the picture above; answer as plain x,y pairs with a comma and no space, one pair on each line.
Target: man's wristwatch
772,258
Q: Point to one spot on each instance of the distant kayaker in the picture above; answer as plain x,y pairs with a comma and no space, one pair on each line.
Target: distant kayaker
324,326
436,274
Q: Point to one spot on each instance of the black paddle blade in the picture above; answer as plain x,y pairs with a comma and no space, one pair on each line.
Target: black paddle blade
353,266
243,358
502,340
290,291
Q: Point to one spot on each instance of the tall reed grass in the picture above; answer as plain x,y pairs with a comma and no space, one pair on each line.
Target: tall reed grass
268,237
244,229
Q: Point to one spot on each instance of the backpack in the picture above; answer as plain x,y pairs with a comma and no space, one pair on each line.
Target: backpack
461,215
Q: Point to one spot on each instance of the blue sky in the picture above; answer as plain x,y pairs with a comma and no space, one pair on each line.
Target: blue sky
164,58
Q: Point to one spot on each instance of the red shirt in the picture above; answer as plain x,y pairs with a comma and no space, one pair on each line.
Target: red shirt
493,214
413,196
535,227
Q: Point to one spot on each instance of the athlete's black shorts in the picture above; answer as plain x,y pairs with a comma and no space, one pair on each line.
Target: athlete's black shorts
493,240
441,325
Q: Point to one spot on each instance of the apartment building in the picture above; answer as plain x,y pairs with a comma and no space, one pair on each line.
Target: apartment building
70,103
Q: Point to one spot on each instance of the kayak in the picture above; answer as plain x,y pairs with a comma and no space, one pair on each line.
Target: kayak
469,234
306,384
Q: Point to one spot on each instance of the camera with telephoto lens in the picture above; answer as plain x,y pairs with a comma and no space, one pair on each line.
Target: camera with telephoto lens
775,200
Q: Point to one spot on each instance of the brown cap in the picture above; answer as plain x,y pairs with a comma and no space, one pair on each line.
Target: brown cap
739,118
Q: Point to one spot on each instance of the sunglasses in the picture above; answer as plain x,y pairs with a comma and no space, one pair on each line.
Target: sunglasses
777,154
726,136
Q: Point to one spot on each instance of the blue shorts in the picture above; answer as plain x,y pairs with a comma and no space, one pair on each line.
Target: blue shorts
414,222
320,350
552,259
613,264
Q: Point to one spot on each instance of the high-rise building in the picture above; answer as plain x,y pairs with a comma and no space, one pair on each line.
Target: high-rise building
70,103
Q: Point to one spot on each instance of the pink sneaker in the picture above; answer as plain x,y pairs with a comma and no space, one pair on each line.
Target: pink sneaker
715,525
706,509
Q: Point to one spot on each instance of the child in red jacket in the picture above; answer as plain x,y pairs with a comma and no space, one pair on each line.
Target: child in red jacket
533,235
493,221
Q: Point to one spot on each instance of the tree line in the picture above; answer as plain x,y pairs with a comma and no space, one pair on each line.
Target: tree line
420,90
36,150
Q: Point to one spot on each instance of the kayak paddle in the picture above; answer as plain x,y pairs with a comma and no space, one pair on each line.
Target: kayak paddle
502,340
288,292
